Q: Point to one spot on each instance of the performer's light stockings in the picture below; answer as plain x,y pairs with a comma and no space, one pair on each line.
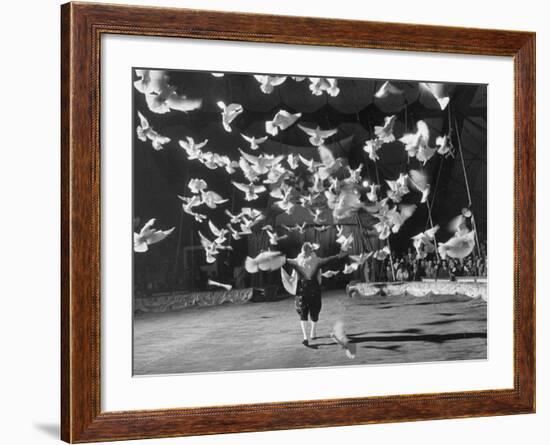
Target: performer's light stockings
303,325
313,333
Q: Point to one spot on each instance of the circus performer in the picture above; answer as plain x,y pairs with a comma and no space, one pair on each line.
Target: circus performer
306,284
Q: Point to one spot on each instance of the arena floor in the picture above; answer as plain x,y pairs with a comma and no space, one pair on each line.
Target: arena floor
267,335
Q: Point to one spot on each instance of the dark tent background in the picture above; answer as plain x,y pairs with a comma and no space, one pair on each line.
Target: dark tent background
159,176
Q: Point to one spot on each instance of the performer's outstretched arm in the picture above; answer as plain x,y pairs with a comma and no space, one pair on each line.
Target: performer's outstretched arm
331,258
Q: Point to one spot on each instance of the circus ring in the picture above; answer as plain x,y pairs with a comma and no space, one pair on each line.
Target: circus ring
389,322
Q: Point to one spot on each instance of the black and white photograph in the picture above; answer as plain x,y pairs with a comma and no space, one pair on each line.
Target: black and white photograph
287,221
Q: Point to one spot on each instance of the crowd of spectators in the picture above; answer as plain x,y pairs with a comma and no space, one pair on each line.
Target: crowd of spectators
407,267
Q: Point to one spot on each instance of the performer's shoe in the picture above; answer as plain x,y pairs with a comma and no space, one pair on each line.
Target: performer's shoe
305,342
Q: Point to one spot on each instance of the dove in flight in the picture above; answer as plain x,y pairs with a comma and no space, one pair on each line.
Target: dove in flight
197,185
424,242
274,238
145,131
227,287
385,132
345,241
193,149
316,214
229,113
220,234
372,195
189,203
398,217
148,235
414,141
459,225
168,100
267,83
263,163
339,336
318,85
398,188
316,135
458,246
151,81
382,254
268,260
290,282
444,145
437,90
330,273
371,148
254,142
281,121
292,161
212,199
386,90
420,182
251,191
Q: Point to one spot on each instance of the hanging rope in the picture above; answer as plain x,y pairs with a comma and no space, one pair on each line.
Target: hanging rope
467,187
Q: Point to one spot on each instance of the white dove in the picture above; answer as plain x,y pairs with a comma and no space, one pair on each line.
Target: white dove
385,132
371,148
424,242
212,199
268,260
458,246
229,113
151,81
316,214
372,195
330,273
398,218
192,148
227,287
290,282
444,145
413,141
168,100
354,175
148,235
386,90
263,163
382,254
254,142
220,234
145,131
318,85
251,191
189,203
316,135
340,337
350,268
437,90
345,242
281,121
197,185
420,182
267,83
274,238
248,172
398,188
292,160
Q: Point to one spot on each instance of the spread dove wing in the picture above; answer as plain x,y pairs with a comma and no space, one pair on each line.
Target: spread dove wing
290,282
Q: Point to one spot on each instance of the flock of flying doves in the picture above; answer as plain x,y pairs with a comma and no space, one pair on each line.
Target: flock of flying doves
332,191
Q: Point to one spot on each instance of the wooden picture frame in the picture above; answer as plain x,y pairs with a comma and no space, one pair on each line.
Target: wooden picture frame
82,26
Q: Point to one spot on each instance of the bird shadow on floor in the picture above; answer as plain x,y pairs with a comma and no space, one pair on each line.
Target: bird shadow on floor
431,338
